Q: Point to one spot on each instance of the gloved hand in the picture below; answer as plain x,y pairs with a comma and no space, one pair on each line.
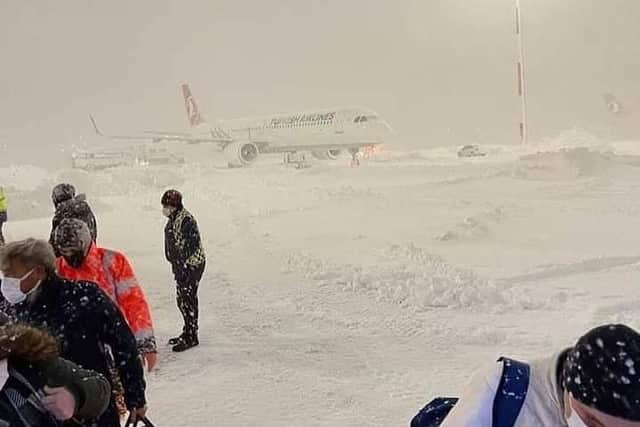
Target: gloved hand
149,360
60,402
136,414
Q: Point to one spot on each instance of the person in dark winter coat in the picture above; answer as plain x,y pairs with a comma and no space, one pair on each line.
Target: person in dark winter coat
3,213
183,249
68,205
38,388
594,383
80,316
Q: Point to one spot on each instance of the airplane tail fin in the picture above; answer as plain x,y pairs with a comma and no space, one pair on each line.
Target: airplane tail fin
95,125
193,114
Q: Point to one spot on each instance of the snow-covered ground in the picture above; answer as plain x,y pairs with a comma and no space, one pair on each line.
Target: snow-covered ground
339,296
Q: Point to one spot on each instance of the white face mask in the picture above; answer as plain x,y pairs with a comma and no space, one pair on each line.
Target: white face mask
11,291
167,211
574,419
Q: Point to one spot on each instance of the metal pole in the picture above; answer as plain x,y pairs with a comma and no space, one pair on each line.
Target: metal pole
522,90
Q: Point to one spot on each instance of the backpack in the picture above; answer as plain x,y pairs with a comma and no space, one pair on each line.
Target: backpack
507,402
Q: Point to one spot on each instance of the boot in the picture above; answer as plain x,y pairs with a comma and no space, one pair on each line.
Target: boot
185,344
176,340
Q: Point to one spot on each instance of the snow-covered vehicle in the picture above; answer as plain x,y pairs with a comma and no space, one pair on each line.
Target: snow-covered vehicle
158,156
471,150
92,160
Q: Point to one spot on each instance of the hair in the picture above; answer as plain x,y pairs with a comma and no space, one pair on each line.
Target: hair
26,343
30,252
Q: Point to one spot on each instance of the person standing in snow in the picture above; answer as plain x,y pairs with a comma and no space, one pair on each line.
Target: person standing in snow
594,383
78,314
3,213
183,249
82,259
68,205
38,388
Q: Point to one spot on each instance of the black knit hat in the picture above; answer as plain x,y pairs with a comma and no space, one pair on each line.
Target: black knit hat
72,233
172,198
62,192
602,371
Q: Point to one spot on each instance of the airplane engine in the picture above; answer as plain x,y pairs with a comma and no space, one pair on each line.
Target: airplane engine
326,155
239,154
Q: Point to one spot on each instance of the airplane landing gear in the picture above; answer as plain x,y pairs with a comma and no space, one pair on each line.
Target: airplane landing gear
355,161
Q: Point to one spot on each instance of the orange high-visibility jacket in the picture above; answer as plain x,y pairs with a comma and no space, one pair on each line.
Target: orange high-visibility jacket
111,271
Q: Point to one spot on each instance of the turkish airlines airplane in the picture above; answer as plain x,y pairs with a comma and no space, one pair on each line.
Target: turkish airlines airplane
325,133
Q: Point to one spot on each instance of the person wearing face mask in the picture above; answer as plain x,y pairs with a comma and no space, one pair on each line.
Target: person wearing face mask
69,205
595,383
40,389
183,249
82,259
77,314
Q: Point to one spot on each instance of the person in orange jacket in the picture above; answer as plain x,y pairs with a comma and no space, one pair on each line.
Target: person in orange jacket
82,259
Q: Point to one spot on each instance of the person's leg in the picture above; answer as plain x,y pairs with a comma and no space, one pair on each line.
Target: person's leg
2,220
182,298
191,318
188,303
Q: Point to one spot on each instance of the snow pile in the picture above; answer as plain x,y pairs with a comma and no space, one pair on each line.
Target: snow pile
123,181
571,138
22,178
28,191
566,163
475,227
411,278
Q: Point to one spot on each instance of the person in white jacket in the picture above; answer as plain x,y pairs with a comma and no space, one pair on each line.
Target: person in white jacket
596,383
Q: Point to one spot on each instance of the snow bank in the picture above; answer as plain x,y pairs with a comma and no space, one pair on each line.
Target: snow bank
474,227
123,181
20,178
412,278
567,163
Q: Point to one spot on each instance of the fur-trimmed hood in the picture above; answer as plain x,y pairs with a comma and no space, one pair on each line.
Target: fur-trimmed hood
26,344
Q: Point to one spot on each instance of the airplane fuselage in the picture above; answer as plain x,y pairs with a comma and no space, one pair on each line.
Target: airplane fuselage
326,129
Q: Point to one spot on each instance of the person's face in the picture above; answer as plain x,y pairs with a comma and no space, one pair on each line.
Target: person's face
594,418
18,270
168,210
73,256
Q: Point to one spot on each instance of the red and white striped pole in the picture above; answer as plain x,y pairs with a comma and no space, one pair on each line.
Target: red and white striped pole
521,81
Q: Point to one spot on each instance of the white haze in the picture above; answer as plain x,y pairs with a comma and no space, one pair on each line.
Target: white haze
338,296
442,72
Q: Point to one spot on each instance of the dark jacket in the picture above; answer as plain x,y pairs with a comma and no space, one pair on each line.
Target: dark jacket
83,320
76,208
32,364
183,244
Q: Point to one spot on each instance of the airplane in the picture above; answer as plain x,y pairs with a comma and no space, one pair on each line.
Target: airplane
325,133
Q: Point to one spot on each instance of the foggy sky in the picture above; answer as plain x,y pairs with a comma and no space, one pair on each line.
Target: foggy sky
440,71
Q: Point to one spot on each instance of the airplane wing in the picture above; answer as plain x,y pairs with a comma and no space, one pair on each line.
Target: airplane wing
216,135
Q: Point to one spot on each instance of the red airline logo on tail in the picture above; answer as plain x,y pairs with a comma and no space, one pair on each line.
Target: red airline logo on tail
193,113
